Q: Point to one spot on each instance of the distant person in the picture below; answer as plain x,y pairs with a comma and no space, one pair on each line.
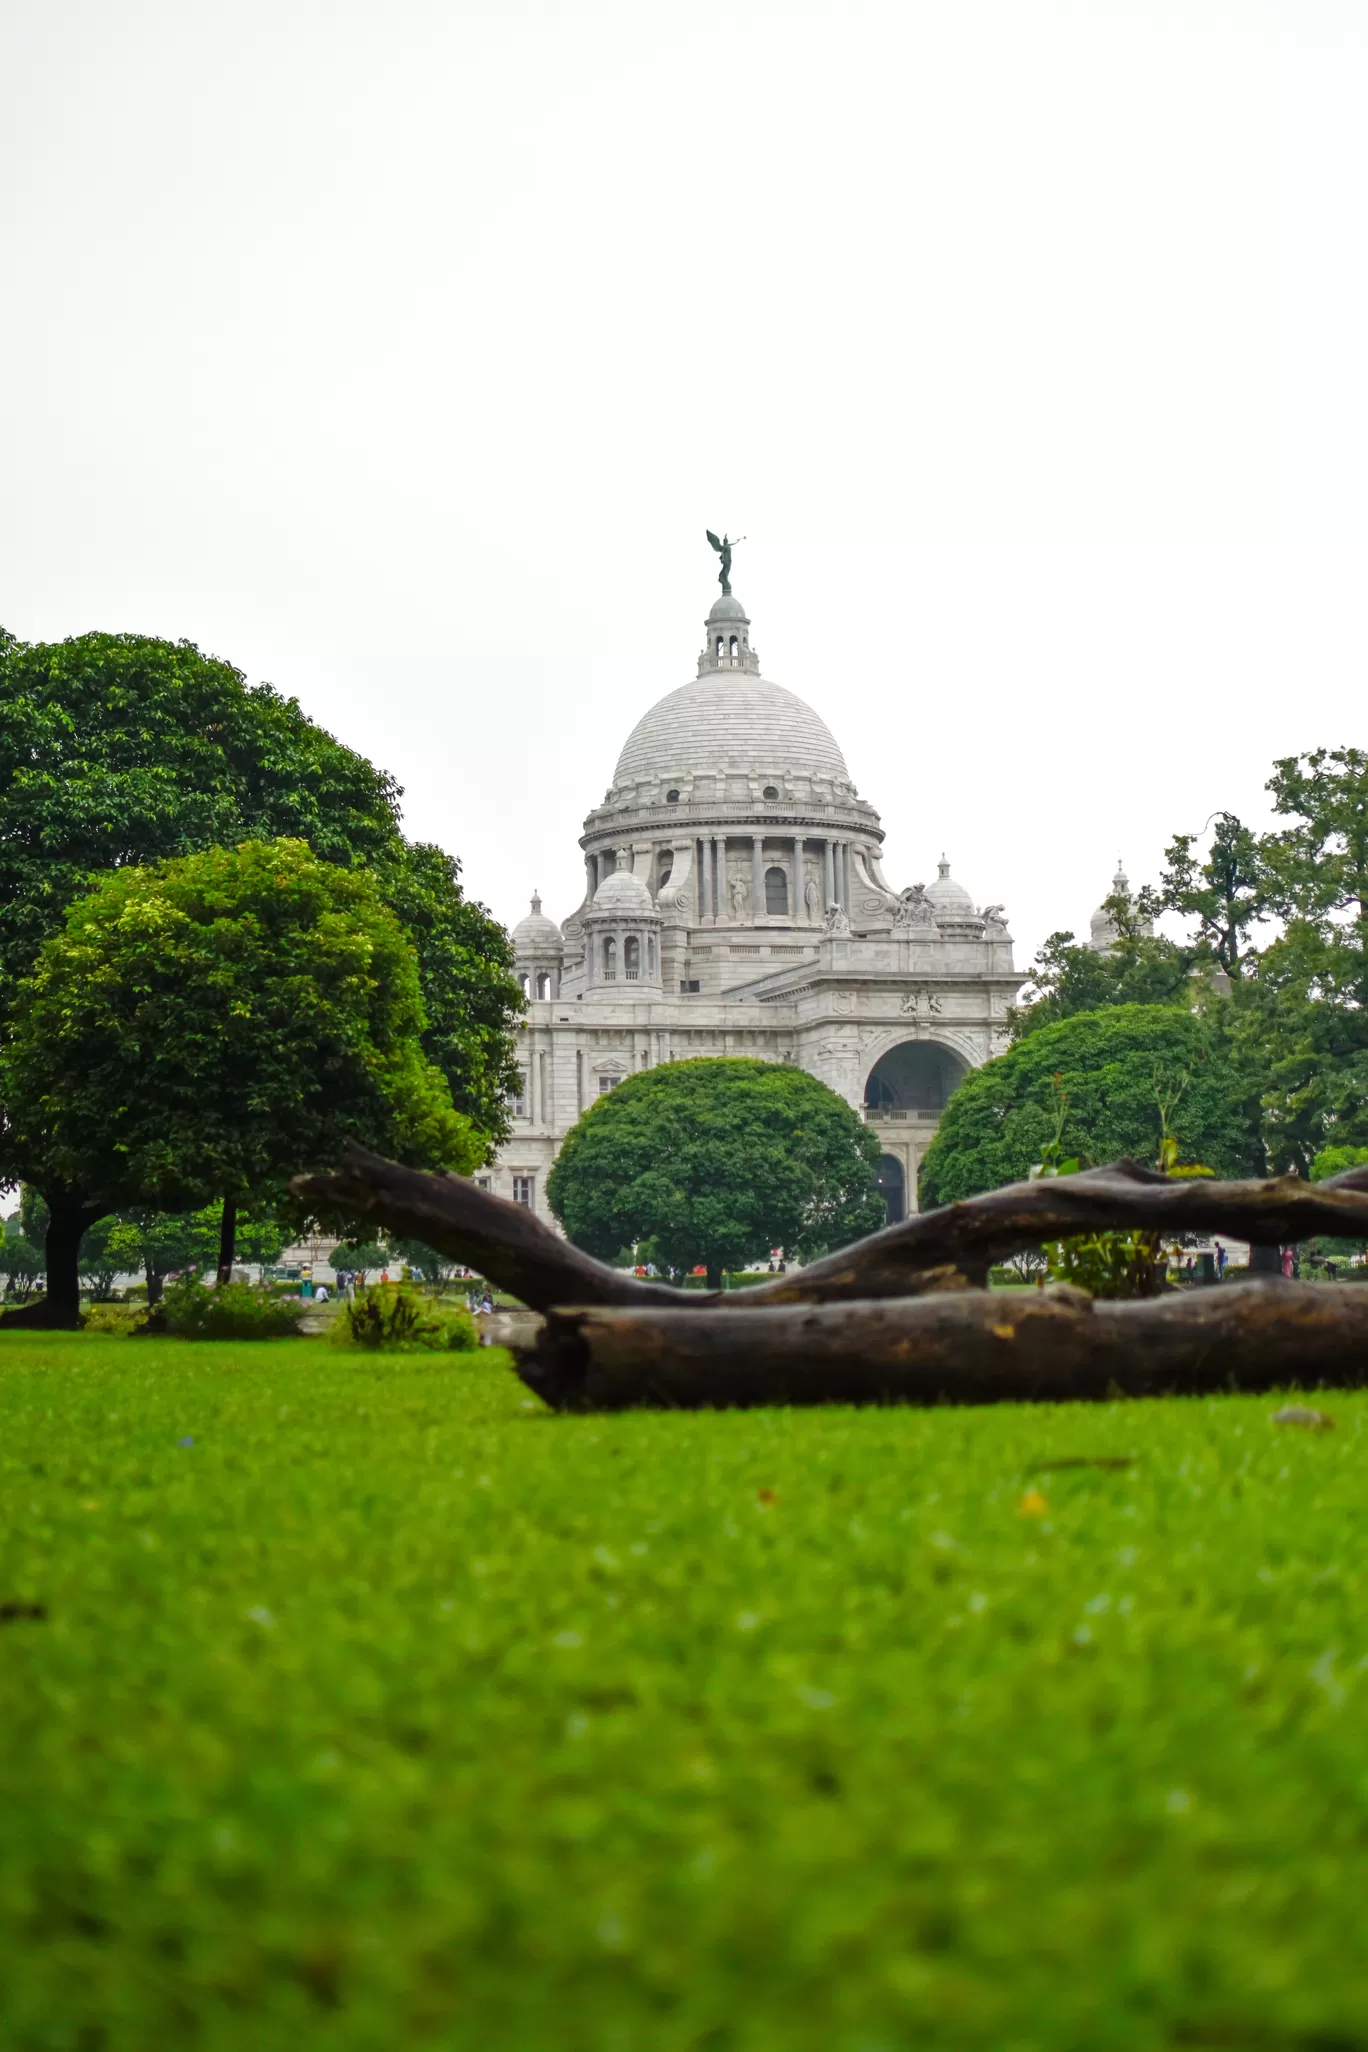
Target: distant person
1221,1258
1289,1262
321,1294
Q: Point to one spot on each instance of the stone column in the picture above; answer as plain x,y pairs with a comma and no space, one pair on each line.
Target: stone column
797,878
719,876
705,881
842,883
757,876
828,875
590,876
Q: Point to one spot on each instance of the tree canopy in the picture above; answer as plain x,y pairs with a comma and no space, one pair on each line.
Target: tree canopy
121,749
715,1162
118,749
1101,1085
208,1026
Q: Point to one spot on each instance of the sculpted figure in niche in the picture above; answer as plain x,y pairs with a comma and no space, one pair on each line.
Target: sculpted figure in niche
914,908
740,896
812,898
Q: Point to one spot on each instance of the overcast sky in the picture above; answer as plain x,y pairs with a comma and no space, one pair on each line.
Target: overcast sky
401,354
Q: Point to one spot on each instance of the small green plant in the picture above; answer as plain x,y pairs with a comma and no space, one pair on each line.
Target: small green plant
392,1318
234,1311
1114,1264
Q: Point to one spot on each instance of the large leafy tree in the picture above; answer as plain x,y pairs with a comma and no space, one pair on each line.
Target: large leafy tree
1098,1086
119,749
715,1162
206,1027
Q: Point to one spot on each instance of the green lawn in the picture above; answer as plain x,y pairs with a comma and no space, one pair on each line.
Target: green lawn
395,1713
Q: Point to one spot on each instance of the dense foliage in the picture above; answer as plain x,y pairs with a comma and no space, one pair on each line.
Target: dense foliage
120,750
715,1162
208,1027
1097,1086
1276,949
117,749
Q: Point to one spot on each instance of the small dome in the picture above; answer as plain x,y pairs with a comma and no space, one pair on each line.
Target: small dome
1102,933
950,899
728,608
536,933
624,896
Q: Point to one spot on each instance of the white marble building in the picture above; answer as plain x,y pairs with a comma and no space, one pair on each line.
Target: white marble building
734,903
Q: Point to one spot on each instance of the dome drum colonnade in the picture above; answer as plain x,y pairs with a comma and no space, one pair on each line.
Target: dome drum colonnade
735,902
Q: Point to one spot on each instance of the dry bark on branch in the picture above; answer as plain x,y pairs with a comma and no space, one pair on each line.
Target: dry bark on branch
954,1246
975,1347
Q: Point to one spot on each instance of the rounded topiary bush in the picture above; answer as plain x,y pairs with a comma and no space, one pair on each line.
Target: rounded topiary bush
1099,1079
715,1162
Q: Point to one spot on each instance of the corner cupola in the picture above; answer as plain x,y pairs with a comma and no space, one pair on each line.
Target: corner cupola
726,639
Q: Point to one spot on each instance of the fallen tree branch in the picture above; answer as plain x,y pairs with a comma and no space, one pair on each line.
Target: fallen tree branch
976,1347
954,1246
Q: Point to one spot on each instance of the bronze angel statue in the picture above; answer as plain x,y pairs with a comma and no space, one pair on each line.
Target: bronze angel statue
724,548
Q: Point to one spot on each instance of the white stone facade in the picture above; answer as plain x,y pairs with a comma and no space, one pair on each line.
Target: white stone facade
734,903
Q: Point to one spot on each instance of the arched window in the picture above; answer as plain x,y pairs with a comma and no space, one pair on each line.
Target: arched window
776,893
721,645
733,650
650,955
609,958
666,870
672,797
892,1187
771,791
543,983
631,958
526,983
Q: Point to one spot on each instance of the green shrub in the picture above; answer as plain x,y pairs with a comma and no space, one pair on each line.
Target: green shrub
392,1318
114,1318
233,1312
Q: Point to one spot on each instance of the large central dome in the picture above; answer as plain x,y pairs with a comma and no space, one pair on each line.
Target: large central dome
729,718
729,721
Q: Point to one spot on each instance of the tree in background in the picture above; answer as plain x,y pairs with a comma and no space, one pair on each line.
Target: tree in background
435,1268
207,1028
715,1162
1068,978
1302,1018
1223,896
1099,1086
21,1263
361,1257
166,1243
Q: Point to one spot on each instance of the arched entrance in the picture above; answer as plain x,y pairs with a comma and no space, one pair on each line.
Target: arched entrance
916,1076
892,1187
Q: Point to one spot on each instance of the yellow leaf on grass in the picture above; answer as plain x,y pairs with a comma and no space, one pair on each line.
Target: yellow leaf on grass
1033,1505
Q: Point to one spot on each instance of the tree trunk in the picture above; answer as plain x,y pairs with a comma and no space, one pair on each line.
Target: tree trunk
714,1276
68,1223
227,1242
154,1284
970,1347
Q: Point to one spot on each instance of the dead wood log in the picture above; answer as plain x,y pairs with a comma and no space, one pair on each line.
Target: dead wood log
976,1347
505,1242
955,1245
